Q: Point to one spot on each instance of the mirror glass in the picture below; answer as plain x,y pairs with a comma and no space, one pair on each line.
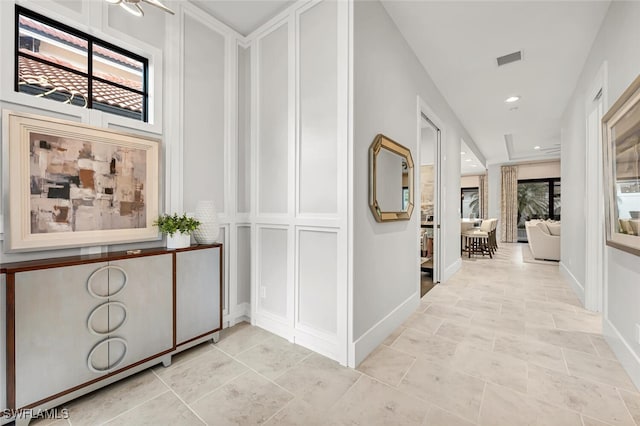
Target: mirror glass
621,139
391,180
626,148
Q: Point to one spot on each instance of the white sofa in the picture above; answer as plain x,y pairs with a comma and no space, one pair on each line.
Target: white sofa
544,239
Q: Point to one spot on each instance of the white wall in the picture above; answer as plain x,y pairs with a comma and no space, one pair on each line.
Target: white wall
539,170
617,44
193,105
388,78
299,176
469,181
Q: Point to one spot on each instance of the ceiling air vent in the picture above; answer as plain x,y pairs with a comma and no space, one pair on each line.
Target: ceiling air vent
511,57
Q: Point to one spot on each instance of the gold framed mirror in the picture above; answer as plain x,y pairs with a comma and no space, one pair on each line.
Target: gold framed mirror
390,180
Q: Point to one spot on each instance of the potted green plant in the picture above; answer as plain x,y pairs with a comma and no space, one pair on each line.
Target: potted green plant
177,228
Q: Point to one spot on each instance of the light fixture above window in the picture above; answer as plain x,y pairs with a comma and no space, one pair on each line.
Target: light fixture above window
512,99
134,8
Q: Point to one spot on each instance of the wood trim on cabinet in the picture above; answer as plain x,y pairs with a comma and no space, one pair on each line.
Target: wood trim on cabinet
11,340
174,259
221,281
58,262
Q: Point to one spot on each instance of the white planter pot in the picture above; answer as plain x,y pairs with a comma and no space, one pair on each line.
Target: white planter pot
178,240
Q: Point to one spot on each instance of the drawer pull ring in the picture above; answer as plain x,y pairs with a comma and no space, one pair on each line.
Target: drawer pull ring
109,330
104,268
113,366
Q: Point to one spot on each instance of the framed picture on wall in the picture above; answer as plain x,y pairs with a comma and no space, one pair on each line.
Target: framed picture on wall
621,140
73,185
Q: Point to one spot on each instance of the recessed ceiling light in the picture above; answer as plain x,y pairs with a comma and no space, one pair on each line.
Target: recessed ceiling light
462,153
468,159
474,165
512,99
536,147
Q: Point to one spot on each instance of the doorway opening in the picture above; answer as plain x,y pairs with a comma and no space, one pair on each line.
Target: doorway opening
429,204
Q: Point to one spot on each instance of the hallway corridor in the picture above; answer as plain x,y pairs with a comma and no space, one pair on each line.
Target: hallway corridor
502,343
507,343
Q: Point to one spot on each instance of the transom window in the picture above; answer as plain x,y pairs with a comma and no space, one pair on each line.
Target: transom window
54,61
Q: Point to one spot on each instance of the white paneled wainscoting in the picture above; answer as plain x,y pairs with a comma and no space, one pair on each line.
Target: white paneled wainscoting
299,164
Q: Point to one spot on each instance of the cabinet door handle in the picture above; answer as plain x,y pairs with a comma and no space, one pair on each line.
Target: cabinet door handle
110,330
104,268
110,367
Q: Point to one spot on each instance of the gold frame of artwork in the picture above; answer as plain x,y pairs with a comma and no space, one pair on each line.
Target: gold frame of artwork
19,128
382,142
625,136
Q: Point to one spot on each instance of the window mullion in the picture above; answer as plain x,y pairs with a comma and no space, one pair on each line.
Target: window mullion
90,72
109,87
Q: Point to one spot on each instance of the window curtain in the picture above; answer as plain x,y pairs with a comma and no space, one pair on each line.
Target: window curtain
509,204
483,197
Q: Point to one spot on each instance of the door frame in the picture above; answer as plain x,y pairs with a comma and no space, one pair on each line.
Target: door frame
423,110
595,254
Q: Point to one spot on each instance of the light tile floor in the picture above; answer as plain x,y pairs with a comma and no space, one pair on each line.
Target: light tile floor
502,343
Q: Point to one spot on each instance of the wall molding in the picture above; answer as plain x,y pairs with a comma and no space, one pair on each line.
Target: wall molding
373,337
240,313
623,351
578,288
289,216
451,270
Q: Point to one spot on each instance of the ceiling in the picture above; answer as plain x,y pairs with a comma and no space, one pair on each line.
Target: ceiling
469,163
244,16
458,43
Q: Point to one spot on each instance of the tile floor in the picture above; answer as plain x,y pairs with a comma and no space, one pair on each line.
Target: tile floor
502,343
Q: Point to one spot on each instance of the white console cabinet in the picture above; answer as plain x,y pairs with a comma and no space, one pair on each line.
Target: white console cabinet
76,324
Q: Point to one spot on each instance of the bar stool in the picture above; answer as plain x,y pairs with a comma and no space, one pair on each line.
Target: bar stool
493,242
477,241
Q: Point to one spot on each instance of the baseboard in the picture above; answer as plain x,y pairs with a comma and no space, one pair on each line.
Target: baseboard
241,313
324,347
373,337
575,284
273,324
625,354
451,270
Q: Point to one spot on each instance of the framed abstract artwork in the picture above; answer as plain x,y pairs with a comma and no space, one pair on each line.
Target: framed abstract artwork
73,185
621,140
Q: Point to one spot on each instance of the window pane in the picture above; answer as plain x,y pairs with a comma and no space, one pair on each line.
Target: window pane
116,100
533,203
50,82
117,68
470,203
557,210
53,62
51,44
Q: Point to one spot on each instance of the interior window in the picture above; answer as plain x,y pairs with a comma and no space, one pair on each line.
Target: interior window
54,61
